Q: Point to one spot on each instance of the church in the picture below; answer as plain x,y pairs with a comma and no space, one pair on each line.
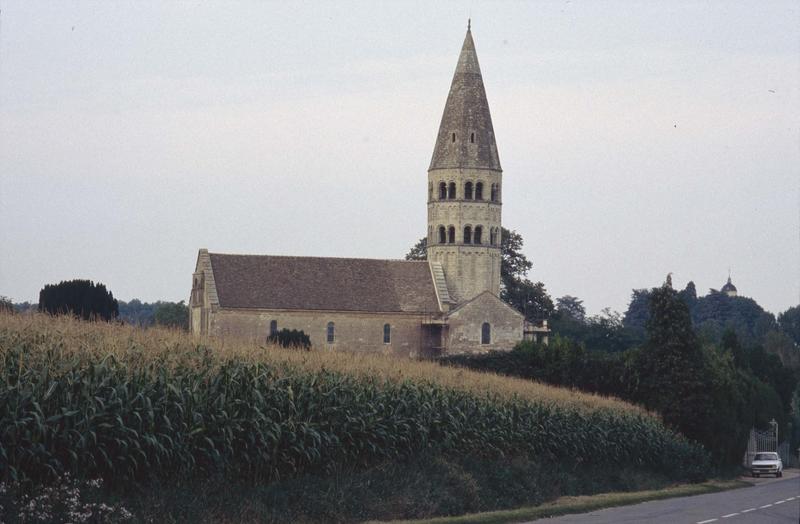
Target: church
448,304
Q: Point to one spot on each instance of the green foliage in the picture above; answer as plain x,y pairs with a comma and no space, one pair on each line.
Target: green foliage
711,315
128,417
604,332
711,394
171,314
290,339
419,251
789,322
6,306
562,362
137,312
82,298
571,307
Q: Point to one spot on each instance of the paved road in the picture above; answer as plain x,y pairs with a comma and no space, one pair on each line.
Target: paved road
767,501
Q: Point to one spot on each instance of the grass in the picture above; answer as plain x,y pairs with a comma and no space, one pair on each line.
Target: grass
583,504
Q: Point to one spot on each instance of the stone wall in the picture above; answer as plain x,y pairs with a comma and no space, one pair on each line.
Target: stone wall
466,321
354,332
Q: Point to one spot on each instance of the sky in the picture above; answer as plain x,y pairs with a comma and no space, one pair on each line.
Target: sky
636,138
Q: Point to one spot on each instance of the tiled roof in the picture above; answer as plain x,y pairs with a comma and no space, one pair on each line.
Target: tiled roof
342,284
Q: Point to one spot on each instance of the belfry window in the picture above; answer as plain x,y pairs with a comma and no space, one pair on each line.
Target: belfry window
468,191
451,191
454,138
486,333
387,334
451,235
477,236
331,333
273,328
479,191
442,235
467,235
442,191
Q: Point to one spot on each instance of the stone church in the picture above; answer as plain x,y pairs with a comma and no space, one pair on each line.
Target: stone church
448,304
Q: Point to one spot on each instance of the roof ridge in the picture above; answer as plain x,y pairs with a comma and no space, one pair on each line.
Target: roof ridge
315,257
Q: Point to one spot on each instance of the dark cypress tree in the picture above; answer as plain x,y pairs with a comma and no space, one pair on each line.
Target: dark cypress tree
672,366
82,298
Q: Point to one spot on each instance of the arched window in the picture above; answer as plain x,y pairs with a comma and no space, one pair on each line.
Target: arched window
454,138
468,191
387,334
442,191
479,191
494,193
273,328
331,333
451,193
467,235
486,333
477,236
472,138
442,235
451,235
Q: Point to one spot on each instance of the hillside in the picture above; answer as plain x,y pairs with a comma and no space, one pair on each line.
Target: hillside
258,427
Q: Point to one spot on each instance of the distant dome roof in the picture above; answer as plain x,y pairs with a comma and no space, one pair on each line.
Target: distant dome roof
728,287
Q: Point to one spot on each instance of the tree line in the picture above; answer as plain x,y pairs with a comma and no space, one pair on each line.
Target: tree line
92,301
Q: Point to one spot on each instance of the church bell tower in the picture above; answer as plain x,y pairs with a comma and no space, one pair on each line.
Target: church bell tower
465,186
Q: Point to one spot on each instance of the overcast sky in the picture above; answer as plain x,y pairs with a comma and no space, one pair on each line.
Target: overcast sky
636,138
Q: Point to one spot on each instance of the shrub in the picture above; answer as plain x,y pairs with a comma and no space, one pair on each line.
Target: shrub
290,339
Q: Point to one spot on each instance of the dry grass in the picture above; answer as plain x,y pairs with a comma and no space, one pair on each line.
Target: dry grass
132,344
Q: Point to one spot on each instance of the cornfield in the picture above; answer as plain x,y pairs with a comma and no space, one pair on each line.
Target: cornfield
125,404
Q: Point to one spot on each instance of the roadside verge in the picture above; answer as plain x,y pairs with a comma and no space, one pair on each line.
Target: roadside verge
583,504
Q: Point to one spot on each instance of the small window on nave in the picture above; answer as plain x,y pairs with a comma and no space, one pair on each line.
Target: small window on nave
331,333
387,334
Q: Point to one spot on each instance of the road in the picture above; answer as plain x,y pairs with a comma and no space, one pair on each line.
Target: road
767,501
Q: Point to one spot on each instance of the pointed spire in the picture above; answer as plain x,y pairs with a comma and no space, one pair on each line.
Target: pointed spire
466,135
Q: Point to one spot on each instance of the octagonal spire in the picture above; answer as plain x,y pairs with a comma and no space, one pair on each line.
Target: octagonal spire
466,136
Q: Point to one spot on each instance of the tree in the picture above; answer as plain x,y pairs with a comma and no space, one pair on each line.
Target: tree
789,323
419,251
82,298
571,307
529,298
171,314
6,306
672,366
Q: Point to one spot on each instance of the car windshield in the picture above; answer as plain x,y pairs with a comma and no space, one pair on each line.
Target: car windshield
766,456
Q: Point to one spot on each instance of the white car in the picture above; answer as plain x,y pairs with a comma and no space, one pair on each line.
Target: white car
767,464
